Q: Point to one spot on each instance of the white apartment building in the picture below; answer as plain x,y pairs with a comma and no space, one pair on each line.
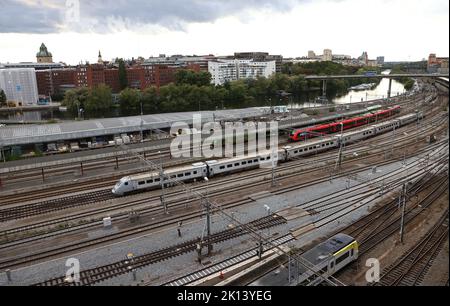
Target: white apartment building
19,85
225,70
327,55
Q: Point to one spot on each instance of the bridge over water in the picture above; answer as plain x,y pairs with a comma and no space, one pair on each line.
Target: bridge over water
325,78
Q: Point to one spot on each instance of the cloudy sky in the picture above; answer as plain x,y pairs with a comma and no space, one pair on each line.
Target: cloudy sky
74,30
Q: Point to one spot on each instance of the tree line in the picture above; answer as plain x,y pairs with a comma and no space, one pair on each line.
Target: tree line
193,91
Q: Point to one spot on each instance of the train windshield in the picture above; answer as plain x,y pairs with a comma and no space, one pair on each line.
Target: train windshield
122,180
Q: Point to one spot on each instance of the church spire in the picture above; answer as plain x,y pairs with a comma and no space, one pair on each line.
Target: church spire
100,60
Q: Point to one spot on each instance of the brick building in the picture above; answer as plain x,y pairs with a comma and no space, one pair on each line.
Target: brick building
49,81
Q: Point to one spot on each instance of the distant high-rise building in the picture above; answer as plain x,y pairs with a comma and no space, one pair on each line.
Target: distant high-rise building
327,55
43,56
261,57
311,54
380,60
19,85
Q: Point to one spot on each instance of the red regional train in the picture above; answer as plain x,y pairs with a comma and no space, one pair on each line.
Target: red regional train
318,130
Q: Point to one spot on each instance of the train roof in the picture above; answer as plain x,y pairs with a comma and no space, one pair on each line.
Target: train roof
228,160
407,116
166,172
325,249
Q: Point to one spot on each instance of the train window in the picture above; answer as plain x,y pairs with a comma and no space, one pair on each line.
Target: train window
173,176
157,180
295,152
180,175
149,181
222,167
195,172
250,161
237,164
255,160
126,183
229,166
244,163
351,253
187,174
268,158
342,258
332,265
141,183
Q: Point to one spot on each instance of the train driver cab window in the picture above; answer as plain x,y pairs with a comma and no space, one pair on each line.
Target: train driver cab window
126,183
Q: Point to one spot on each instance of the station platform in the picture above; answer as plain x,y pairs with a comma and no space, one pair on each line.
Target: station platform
45,133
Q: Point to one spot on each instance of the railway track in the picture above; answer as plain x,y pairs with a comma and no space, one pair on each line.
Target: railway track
54,205
88,185
141,229
379,213
96,164
147,211
98,274
29,210
410,268
370,241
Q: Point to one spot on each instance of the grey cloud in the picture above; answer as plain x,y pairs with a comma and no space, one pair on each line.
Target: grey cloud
98,15
17,17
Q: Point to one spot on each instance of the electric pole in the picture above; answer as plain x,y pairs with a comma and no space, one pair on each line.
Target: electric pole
403,212
161,177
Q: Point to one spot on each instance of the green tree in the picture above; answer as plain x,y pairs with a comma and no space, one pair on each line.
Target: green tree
3,100
150,99
75,99
130,100
190,77
123,80
99,99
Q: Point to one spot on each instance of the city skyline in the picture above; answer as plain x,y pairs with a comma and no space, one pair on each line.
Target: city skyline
221,28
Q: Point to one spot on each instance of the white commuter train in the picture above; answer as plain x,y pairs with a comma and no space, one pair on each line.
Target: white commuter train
198,171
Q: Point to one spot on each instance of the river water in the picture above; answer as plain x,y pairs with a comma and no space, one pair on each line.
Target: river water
354,96
380,92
